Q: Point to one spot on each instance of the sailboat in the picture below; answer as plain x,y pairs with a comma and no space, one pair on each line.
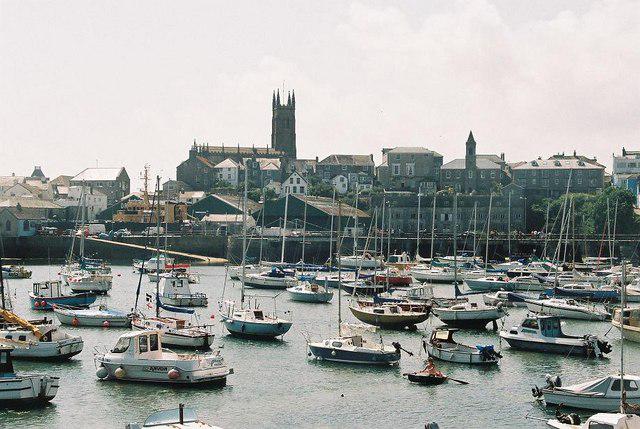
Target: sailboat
350,346
21,390
245,321
176,332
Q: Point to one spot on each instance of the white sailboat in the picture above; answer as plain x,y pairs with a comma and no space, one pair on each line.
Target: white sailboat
23,390
566,309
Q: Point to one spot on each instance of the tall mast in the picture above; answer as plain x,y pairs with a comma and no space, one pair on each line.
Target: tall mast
284,226
613,237
158,245
2,285
382,226
333,203
418,228
244,233
475,228
339,243
573,233
355,226
433,227
455,241
546,230
264,204
304,228
609,231
623,302
388,238
82,220
486,250
509,226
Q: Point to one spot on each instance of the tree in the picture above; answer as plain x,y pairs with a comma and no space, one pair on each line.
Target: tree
321,189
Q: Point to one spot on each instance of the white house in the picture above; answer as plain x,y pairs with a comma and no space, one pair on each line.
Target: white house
294,185
95,200
340,184
228,171
191,197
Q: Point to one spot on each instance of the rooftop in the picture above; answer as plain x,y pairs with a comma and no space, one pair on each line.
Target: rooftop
557,164
236,201
25,213
411,149
27,202
98,174
481,164
330,207
338,159
227,163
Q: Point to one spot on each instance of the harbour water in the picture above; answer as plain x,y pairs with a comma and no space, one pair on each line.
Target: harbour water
277,385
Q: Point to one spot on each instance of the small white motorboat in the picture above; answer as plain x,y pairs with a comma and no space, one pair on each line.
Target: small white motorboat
152,264
365,261
176,290
89,281
597,421
177,418
94,316
566,309
442,346
310,292
38,340
544,334
23,390
139,356
469,314
175,332
388,315
235,271
275,278
434,274
601,394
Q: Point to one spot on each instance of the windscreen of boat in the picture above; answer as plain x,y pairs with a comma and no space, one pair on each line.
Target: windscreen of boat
167,417
550,327
629,385
122,345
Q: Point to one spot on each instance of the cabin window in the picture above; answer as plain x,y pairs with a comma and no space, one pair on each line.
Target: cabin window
121,346
530,323
8,337
143,343
598,425
629,385
336,344
22,338
153,342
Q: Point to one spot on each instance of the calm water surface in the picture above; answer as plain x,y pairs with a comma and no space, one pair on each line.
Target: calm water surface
276,385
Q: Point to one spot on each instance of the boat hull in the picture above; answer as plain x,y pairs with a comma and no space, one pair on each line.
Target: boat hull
596,403
315,297
54,351
541,307
157,372
27,390
459,355
181,340
332,354
429,380
249,329
184,300
67,318
79,300
388,321
547,347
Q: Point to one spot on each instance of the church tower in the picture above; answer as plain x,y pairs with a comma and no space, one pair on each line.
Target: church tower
470,166
283,123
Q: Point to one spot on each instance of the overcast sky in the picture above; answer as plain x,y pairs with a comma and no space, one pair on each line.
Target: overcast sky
134,82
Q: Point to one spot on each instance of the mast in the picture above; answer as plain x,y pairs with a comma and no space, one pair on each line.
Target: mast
486,250
455,242
573,233
339,243
418,229
304,229
475,228
382,225
158,246
613,237
2,285
623,302
244,234
509,226
82,221
609,231
546,230
333,203
284,226
355,226
388,240
264,204
433,227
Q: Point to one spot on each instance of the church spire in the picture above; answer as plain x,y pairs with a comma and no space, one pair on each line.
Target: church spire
278,97
293,98
470,139
289,99
273,100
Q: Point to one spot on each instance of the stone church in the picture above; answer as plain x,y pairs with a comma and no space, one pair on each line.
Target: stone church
199,171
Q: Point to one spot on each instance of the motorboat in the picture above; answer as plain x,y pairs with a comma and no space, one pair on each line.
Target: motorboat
49,293
362,287
469,314
631,327
400,261
566,309
23,390
504,283
508,299
252,322
176,290
177,418
365,261
352,346
93,316
175,332
534,267
392,277
37,340
89,281
585,291
434,274
152,263
600,394
441,345
235,271
310,292
600,421
544,334
140,356
15,272
276,278
177,269
389,316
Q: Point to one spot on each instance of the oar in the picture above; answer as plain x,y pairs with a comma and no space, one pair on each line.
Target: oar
457,381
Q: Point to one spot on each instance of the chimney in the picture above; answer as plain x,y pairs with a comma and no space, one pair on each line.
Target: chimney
502,156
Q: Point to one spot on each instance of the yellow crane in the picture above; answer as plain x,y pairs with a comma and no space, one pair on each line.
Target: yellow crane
11,317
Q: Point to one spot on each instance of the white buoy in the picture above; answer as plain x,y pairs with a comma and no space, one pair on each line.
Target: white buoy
119,372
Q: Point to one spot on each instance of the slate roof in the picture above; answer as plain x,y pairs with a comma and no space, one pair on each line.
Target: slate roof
338,159
481,164
27,202
236,201
557,164
227,163
98,174
412,149
25,213
328,206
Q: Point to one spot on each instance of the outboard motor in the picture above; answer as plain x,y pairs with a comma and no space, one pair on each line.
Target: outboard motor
571,418
553,381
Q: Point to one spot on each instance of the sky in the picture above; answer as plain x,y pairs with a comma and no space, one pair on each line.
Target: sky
129,83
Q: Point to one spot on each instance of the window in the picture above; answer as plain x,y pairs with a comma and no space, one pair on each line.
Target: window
557,181
448,174
395,169
493,174
410,169
470,174
302,189
297,180
121,346
143,344
482,174
295,189
153,342
25,225
629,385
7,225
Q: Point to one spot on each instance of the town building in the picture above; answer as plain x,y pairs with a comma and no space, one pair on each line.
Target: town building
409,169
95,202
112,182
626,172
199,170
228,171
191,197
295,184
550,178
22,216
348,166
171,189
475,173
340,184
217,204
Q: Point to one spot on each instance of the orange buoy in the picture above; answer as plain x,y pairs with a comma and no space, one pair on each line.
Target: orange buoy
173,374
75,321
36,304
43,303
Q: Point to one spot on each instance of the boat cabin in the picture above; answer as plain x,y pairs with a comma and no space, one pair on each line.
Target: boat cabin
6,365
420,292
547,326
140,345
402,258
444,335
48,289
172,284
